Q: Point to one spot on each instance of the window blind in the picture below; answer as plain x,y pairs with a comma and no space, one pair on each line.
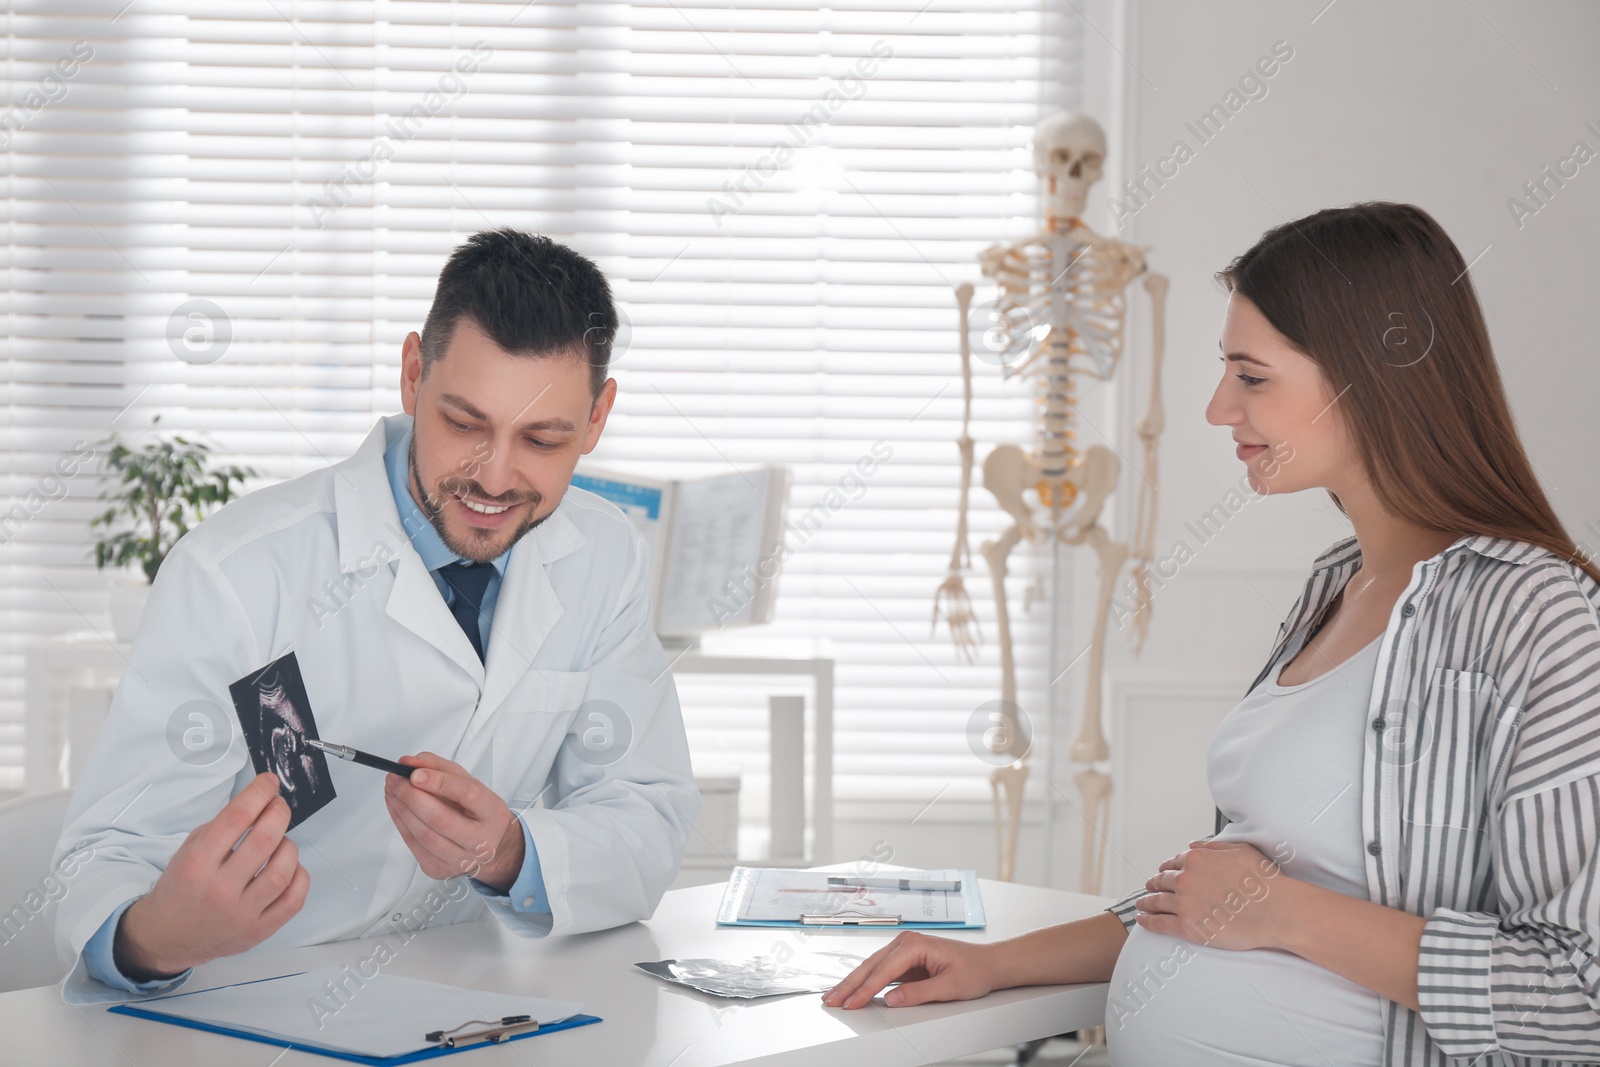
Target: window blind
229,215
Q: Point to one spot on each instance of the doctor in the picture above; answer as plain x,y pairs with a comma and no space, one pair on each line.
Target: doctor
445,593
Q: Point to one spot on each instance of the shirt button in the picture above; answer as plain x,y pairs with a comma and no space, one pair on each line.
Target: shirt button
527,902
1377,724
1373,848
397,916
1408,611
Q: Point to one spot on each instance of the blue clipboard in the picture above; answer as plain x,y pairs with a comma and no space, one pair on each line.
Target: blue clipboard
741,882
429,1053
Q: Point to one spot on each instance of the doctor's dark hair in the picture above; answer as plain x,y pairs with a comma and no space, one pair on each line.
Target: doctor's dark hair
1378,296
530,295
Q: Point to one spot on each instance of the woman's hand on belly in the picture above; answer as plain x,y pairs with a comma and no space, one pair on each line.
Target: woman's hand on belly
1229,895
1221,893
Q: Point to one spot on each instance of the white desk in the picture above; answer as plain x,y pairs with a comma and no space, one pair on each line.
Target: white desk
648,1023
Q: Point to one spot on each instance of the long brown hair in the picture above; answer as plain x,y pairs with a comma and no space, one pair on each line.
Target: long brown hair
1378,295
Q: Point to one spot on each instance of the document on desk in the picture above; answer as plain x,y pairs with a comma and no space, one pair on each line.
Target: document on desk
762,896
383,1019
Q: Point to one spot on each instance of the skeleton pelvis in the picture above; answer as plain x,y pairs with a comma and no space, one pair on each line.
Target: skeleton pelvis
1078,496
1056,497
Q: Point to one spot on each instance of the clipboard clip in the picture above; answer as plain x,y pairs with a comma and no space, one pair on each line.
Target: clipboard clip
848,918
493,1032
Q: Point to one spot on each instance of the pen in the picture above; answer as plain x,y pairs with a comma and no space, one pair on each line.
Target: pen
364,758
508,1027
905,885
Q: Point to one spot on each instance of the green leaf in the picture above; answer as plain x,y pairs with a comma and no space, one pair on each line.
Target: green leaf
158,492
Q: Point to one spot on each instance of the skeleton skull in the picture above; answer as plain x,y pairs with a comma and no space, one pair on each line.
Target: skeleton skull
1069,153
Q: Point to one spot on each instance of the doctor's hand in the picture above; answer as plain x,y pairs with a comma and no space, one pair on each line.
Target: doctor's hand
214,899
453,823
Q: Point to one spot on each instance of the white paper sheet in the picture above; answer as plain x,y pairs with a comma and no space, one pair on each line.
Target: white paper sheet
716,540
786,895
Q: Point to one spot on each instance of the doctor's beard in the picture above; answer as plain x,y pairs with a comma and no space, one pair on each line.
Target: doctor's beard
477,546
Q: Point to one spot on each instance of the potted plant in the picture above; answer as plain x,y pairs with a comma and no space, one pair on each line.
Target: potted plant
161,490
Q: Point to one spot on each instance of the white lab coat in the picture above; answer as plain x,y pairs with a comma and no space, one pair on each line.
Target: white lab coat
320,565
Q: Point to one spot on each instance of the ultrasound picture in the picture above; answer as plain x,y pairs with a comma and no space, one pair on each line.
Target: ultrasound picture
275,715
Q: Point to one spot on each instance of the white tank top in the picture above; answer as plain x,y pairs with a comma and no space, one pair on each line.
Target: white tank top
1285,767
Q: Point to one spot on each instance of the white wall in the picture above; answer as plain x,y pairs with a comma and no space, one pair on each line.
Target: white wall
1446,105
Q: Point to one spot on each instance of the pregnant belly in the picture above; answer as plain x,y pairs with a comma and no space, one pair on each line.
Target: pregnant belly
1175,1002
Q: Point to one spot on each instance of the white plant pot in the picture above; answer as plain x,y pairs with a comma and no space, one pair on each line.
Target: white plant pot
126,601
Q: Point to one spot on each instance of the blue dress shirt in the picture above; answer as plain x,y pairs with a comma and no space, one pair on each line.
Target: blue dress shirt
527,893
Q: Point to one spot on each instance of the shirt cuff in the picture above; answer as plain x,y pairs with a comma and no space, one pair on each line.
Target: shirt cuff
99,957
1455,982
1125,910
527,893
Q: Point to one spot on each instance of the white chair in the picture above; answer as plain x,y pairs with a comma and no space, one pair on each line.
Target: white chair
29,889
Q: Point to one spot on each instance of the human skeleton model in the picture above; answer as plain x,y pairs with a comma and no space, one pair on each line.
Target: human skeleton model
1058,311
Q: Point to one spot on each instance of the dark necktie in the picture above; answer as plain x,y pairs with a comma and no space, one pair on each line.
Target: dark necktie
469,580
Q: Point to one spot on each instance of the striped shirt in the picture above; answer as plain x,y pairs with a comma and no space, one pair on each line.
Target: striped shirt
1481,799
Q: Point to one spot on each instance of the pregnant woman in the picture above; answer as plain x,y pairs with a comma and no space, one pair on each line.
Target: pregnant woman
1410,870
